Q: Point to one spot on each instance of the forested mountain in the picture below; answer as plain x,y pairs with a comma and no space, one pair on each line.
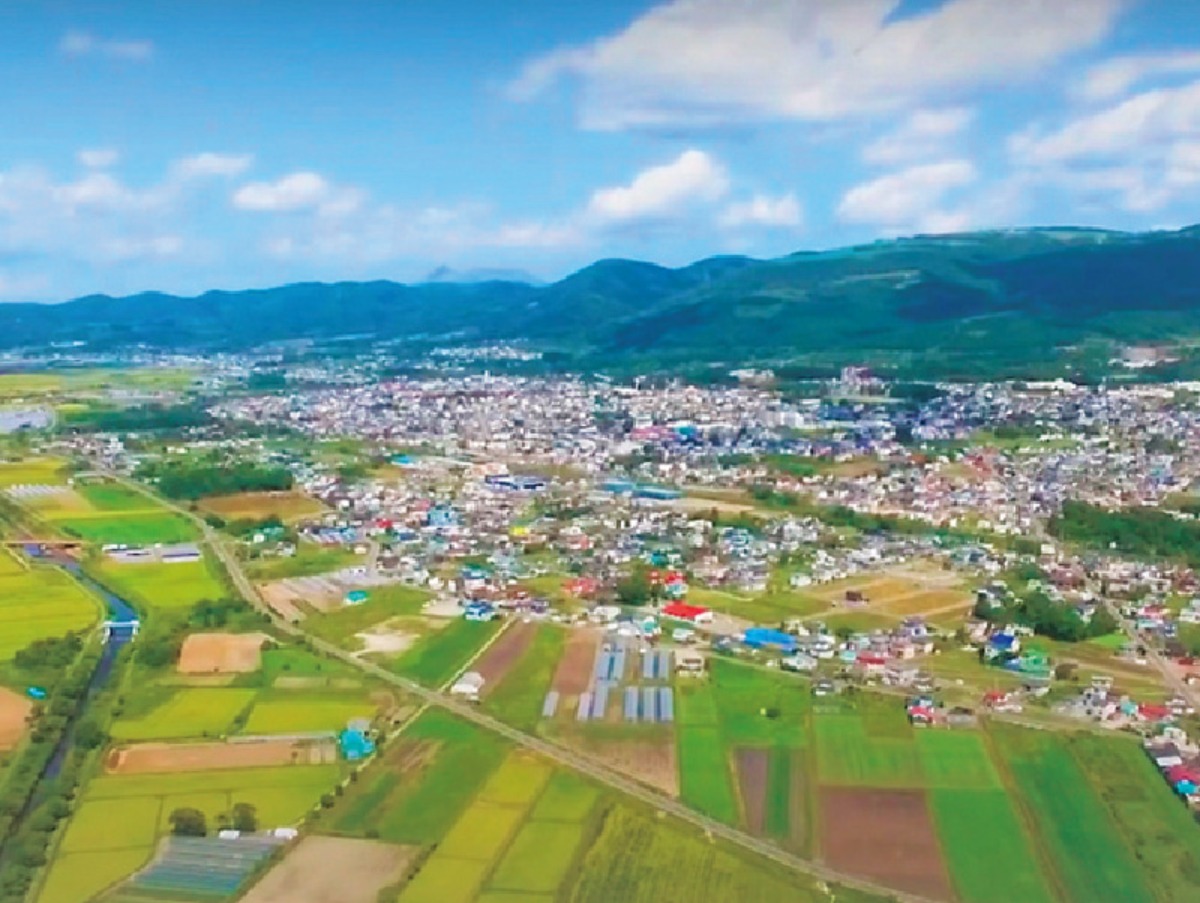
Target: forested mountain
1018,295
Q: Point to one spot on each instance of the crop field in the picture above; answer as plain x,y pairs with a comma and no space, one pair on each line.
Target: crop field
187,712
113,497
517,697
119,819
34,472
37,602
287,712
1093,860
437,657
156,586
257,506
383,603
847,756
134,528
310,560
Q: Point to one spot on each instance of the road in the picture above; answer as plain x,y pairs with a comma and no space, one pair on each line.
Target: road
1170,676
593,768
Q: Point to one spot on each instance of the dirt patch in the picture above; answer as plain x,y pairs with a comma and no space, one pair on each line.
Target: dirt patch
886,836
169,758
574,672
221,653
752,767
650,761
505,652
363,869
282,601
14,709
386,639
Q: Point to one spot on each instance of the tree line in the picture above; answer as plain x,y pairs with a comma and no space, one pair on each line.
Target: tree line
189,482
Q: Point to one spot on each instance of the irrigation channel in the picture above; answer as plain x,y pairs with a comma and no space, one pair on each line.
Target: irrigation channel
120,627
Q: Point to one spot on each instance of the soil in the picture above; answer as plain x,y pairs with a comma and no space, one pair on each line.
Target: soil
169,758
281,600
14,708
221,653
650,761
505,652
752,769
886,836
363,869
574,673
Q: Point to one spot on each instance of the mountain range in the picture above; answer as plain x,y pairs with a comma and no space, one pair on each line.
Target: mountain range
1002,296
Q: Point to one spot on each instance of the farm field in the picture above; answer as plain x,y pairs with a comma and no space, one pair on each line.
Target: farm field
134,528
440,655
39,602
310,560
14,708
519,687
185,713
157,586
119,819
102,511
34,471
365,867
257,506
383,603
299,712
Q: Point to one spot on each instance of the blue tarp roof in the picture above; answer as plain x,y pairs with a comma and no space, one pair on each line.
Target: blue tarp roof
766,636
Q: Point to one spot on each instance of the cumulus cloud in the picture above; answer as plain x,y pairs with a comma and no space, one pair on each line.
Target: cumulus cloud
212,164
86,44
911,198
762,210
712,62
923,135
662,191
297,192
99,157
1114,77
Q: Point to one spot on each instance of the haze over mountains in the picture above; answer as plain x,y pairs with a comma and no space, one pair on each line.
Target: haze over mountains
994,295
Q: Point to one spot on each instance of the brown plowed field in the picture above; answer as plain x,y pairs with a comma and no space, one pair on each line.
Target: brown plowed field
333,870
651,761
574,673
752,766
505,652
13,710
221,653
169,758
886,836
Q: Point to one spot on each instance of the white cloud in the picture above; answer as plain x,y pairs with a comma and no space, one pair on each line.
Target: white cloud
762,210
99,157
922,136
910,198
297,192
1112,78
212,164
711,62
86,44
662,192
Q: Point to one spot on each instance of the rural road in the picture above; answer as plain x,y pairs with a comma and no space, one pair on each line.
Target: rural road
592,768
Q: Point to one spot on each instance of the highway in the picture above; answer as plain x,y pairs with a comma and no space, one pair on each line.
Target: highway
593,768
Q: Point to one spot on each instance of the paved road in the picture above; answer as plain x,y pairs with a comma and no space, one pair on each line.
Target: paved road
593,768
1169,674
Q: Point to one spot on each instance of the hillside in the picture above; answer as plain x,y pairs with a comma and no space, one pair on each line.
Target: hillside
983,300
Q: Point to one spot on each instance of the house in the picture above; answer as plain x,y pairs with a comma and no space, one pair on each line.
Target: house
354,743
800,662
693,614
768,638
689,661
468,686
480,611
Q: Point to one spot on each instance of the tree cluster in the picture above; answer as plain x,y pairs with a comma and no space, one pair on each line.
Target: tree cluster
197,481
1141,532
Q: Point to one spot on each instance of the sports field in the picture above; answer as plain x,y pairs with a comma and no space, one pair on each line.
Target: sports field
38,602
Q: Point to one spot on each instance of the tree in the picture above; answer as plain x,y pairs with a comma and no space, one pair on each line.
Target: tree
245,818
187,822
635,589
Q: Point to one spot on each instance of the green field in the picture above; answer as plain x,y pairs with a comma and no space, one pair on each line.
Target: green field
40,602
987,849
567,797
383,603
310,559
119,819
705,777
153,586
128,528
437,657
114,497
848,756
286,712
187,712
956,761
518,698
1094,862
539,859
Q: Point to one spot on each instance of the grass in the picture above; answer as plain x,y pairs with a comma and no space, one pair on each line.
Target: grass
1072,822
187,712
418,808
113,497
1156,826
129,528
298,713
383,603
155,586
309,561
519,696
436,658
777,820
113,824
80,877
539,859
987,849
38,602
705,779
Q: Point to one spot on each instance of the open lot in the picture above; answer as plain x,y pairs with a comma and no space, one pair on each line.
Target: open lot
364,868
14,708
221,653
885,835
257,506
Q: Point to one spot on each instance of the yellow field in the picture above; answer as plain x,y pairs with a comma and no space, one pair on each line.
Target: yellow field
34,472
287,506
899,593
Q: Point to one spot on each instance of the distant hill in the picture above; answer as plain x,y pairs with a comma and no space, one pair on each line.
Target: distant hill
971,299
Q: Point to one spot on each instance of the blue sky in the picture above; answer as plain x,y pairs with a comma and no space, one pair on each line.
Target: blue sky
184,146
